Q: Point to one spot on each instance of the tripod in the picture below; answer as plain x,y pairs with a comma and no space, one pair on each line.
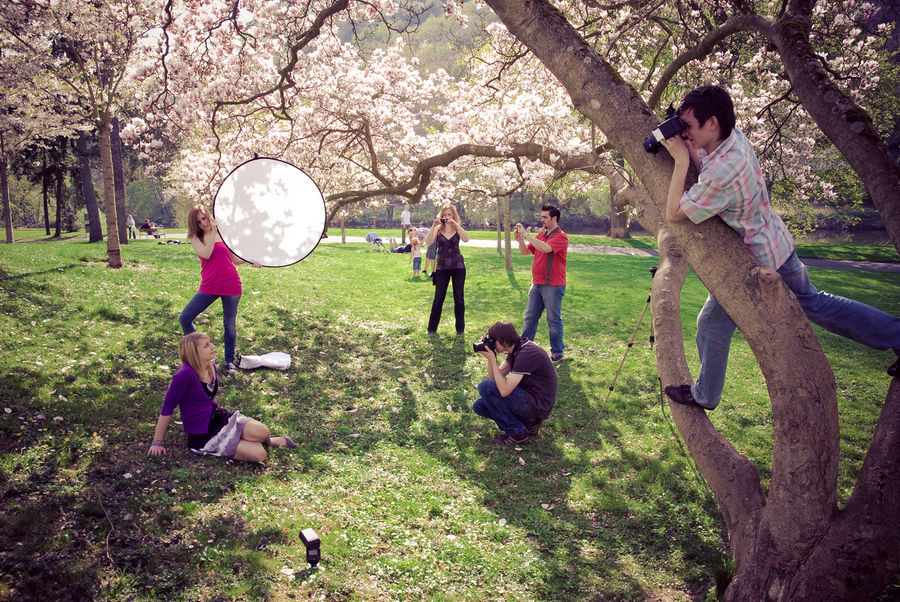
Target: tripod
612,385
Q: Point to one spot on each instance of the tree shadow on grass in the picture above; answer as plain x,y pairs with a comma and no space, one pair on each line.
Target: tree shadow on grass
574,537
160,529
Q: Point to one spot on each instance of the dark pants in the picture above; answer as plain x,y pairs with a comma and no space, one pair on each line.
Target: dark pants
442,278
513,414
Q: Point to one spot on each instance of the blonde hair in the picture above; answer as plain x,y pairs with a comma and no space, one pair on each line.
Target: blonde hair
452,209
193,221
187,350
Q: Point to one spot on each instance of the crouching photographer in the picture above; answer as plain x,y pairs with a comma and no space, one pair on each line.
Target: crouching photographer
519,393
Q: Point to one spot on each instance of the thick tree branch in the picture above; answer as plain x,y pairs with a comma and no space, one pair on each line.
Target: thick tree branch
807,465
732,477
846,124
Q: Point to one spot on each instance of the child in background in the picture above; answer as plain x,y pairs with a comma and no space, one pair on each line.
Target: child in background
415,255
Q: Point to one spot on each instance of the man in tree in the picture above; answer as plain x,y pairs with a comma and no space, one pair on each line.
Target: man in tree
548,277
518,394
731,185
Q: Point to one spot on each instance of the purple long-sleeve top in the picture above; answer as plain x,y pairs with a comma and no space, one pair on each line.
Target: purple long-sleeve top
187,393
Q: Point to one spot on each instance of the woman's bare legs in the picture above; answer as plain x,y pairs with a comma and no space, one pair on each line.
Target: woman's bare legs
252,446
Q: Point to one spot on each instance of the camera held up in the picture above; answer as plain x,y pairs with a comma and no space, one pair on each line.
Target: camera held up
485,344
443,220
672,126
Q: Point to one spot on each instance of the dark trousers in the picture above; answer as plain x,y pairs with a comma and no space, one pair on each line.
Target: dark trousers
442,278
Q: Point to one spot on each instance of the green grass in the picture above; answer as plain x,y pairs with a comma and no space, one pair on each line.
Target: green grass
393,470
884,253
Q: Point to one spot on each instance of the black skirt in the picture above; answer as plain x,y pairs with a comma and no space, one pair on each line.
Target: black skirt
217,421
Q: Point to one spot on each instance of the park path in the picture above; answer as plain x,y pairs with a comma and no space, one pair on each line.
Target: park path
637,252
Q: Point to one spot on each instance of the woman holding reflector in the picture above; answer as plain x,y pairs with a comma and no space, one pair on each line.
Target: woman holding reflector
218,279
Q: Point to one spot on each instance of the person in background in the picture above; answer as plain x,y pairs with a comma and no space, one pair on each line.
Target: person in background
415,253
129,226
445,234
404,223
210,428
548,277
430,251
218,279
731,185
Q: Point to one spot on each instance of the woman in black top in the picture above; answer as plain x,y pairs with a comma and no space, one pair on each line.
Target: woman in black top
446,232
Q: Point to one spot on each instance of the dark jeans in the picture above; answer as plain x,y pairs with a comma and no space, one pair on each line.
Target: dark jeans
513,414
200,302
442,278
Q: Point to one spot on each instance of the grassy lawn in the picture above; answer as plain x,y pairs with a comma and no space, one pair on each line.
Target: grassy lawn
393,470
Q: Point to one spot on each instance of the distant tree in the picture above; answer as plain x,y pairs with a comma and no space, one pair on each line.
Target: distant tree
86,182
29,114
119,178
87,48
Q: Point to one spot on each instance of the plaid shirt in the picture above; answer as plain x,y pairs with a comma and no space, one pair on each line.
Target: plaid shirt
731,185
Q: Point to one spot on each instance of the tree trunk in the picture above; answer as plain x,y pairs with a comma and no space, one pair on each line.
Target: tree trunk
119,175
114,254
343,231
45,192
499,228
95,232
618,214
618,223
4,192
60,197
507,244
786,540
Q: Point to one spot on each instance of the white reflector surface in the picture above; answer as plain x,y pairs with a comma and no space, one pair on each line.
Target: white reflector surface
270,212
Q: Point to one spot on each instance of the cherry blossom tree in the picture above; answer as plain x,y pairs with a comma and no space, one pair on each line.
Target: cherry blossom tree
793,542
87,47
226,80
31,112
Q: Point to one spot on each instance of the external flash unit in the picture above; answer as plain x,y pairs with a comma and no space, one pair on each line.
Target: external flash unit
313,544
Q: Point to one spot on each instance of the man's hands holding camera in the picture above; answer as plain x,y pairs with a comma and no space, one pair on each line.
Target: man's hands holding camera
521,232
487,346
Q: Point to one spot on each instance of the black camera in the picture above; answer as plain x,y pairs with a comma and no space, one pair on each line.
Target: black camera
672,126
485,344
443,220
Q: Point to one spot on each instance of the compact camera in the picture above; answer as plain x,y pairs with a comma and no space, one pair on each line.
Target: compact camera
485,344
443,220
672,126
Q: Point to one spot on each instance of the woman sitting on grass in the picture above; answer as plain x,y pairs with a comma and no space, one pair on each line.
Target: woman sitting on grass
210,428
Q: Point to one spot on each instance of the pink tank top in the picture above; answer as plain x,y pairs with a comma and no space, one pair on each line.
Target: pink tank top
218,276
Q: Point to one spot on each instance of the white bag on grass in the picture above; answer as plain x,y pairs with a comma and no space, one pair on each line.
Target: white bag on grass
277,360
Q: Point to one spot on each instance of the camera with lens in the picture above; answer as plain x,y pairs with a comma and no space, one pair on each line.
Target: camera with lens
672,126
485,344
443,220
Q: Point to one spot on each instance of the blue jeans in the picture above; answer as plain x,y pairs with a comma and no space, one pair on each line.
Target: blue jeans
848,318
200,302
540,297
513,413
